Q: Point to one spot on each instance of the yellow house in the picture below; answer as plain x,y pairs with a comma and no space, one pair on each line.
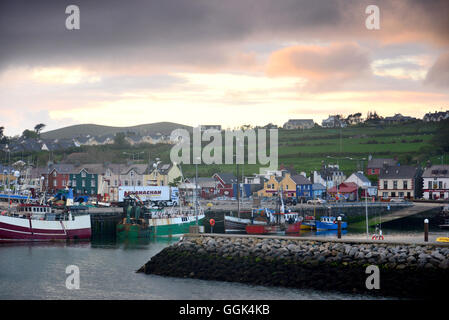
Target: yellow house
270,187
288,185
161,175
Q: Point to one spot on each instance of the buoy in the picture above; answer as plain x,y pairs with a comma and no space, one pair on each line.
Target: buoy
443,239
212,222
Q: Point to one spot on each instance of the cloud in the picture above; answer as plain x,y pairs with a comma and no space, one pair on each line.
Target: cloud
438,74
201,33
325,67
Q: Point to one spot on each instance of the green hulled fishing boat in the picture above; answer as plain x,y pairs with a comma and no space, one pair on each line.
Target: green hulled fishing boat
140,222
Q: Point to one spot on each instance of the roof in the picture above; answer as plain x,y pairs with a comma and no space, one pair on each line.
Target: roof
437,171
318,186
360,176
380,162
300,121
138,168
205,182
94,168
62,168
228,178
345,187
398,172
300,179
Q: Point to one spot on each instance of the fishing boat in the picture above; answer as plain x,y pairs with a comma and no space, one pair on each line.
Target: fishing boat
308,223
329,223
140,222
279,223
39,222
238,224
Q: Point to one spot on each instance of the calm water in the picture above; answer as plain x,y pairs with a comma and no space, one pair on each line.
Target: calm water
107,271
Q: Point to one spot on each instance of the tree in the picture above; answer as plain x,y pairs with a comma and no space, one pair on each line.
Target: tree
119,139
175,182
3,139
28,134
441,137
38,128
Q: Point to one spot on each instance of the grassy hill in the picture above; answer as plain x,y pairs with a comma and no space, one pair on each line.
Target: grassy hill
98,130
305,150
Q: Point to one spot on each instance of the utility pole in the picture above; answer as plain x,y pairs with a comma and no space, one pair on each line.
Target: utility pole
366,212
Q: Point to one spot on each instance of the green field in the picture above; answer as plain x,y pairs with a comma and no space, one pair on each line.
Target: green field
305,150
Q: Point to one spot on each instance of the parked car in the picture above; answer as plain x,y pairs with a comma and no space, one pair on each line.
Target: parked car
397,200
316,201
291,201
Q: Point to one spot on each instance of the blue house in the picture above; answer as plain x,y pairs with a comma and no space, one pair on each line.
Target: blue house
318,191
303,186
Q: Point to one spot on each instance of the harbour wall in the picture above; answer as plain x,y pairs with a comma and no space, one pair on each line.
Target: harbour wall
406,270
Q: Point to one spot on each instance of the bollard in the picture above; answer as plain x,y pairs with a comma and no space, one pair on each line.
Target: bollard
339,227
426,230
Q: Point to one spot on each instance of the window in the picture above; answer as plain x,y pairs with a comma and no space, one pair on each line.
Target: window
115,182
139,183
385,194
430,185
74,183
405,184
440,184
385,184
83,183
54,174
63,183
92,184
401,194
83,174
126,182
395,184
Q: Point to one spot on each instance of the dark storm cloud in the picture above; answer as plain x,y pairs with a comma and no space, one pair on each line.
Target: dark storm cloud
195,32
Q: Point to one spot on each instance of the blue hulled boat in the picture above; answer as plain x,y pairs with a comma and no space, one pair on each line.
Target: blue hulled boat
329,223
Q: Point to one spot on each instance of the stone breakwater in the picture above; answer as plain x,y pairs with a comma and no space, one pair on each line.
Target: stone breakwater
405,270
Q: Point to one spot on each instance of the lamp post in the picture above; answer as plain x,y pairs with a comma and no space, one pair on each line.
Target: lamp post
366,212
196,189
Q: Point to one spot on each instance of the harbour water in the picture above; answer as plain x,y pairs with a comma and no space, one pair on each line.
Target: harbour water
107,271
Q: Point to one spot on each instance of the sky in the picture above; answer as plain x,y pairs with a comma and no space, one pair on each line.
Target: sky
229,62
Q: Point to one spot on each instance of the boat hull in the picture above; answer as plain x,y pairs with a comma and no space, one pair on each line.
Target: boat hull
264,229
235,224
293,228
14,229
329,226
159,227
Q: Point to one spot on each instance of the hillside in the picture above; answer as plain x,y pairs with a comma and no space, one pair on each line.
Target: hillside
164,128
305,150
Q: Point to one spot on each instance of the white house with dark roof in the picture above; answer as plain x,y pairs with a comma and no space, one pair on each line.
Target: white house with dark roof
400,182
436,182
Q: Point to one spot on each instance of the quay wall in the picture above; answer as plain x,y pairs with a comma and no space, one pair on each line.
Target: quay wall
406,270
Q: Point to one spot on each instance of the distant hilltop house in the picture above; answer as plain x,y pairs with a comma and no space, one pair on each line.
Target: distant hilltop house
214,127
398,118
33,144
334,121
436,116
299,124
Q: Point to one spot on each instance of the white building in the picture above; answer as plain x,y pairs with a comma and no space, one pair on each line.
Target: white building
436,182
